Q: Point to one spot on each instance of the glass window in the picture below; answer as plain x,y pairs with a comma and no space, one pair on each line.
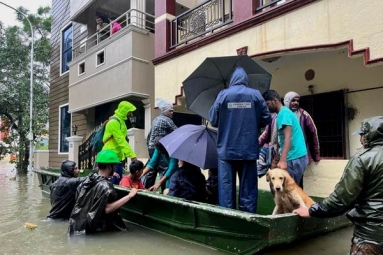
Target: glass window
65,119
66,46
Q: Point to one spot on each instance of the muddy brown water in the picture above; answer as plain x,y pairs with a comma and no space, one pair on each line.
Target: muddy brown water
21,202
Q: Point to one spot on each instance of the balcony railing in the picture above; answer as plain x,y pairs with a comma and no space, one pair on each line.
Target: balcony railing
204,18
132,17
263,4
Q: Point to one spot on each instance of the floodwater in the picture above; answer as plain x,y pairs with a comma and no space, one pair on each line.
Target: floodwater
22,202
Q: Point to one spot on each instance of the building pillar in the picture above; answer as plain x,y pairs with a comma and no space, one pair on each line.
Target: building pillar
148,115
74,143
165,10
137,17
138,143
242,10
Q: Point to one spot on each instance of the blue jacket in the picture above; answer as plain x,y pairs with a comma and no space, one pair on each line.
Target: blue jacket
239,112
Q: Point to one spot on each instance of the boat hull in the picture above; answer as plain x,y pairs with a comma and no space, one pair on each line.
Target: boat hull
223,229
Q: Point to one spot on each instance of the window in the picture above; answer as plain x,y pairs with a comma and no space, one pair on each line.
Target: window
329,118
66,48
81,68
100,58
64,128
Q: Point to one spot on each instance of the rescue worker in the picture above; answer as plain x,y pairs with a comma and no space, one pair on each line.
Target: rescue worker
63,191
115,137
239,112
97,202
361,190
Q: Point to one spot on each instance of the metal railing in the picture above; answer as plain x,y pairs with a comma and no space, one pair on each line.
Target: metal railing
262,4
86,155
202,19
130,18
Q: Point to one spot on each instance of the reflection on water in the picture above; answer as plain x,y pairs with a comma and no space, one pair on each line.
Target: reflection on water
22,201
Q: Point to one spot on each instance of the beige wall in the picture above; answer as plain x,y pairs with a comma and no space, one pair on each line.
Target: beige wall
323,22
41,159
334,70
319,179
368,104
127,70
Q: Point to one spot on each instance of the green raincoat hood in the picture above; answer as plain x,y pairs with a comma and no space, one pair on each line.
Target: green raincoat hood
373,131
123,108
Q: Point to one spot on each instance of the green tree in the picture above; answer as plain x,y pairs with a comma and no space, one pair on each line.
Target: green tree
15,46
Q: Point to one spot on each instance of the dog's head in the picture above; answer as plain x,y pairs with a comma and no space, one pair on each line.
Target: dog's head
280,179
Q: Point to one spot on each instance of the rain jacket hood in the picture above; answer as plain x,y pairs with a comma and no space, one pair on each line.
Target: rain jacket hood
360,189
118,131
123,108
239,112
239,77
67,168
63,191
373,131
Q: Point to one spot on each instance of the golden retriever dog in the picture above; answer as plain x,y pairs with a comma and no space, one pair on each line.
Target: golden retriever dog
288,195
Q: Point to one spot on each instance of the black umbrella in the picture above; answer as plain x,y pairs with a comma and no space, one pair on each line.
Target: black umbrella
213,75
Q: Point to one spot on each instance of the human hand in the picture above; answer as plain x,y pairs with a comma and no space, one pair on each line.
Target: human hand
133,192
155,187
282,164
117,175
302,212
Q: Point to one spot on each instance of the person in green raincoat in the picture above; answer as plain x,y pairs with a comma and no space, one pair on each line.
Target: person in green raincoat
359,191
115,137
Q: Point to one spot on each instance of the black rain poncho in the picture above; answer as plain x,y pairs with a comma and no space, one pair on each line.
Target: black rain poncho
88,215
360,189
63,192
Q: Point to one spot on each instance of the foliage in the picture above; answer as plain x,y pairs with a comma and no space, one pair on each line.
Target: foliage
15,46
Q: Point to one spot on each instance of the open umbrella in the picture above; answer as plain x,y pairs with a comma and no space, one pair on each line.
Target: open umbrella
213,75
195,144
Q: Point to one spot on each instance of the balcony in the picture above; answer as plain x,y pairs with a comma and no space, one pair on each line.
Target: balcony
203,19
109,66
131,19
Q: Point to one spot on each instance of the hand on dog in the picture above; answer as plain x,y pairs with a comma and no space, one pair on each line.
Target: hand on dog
303,212
282,164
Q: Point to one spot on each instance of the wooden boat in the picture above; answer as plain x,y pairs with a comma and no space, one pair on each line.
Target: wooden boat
223,229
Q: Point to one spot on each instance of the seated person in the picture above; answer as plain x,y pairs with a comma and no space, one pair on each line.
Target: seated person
97,202
133,180
63,191
212,187
188,183
161,153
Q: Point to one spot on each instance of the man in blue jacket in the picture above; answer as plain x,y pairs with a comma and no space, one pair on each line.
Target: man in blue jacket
239,112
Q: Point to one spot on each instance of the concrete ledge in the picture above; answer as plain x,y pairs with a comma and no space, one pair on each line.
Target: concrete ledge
319,179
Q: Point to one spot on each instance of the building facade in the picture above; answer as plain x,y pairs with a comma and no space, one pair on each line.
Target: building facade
328,51
93,70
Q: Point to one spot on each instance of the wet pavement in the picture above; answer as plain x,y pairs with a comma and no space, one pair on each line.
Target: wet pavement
22,202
